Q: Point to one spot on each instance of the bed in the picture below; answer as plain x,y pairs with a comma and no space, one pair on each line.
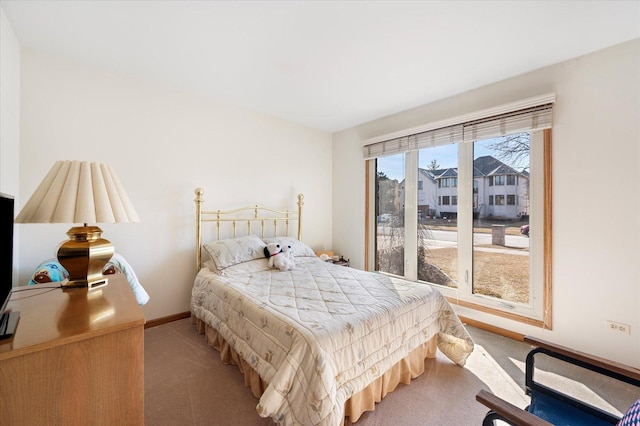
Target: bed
318,342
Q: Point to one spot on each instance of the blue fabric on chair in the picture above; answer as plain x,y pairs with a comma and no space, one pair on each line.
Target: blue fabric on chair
561,414
632,416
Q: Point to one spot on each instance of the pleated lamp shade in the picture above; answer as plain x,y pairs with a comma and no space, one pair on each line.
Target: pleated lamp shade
81,192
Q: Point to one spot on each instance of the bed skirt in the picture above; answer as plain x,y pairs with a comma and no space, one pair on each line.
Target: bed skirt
403,371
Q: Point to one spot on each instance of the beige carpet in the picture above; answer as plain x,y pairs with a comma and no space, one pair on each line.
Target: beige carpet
186,384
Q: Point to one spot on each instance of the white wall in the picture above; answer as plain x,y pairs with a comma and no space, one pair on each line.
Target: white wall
596,156
9,107
163,144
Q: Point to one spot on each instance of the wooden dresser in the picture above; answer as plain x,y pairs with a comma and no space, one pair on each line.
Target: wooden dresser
77,358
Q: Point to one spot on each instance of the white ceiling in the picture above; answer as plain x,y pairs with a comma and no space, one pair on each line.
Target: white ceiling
325,64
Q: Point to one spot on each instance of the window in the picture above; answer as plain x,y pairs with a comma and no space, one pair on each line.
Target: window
449,242
419,185
390,193
448,183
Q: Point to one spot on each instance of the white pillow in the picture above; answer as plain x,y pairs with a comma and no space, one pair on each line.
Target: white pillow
233,251
298,248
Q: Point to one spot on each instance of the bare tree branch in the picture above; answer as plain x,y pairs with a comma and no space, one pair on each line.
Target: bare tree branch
513,150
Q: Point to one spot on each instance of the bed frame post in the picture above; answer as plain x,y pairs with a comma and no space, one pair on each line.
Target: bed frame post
300,204
199,200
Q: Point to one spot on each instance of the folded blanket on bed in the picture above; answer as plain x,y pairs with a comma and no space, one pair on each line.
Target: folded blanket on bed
52,271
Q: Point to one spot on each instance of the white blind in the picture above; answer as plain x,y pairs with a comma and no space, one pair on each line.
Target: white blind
390,147
536,118
444,135
524,120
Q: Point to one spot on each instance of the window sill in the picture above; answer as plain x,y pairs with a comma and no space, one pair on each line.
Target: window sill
508,315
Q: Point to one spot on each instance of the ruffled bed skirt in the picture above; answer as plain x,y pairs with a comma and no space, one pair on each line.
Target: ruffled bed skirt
402,372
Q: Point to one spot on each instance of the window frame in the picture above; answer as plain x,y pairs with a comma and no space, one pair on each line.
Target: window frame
541,250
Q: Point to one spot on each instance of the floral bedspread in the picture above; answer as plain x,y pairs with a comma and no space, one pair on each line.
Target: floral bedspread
322,332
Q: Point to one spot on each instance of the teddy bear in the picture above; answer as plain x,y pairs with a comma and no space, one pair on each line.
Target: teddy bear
289,257
277,259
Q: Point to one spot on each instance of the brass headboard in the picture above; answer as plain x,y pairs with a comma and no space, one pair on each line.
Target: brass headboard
265,216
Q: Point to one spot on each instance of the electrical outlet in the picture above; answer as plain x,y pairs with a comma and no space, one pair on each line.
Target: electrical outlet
618,327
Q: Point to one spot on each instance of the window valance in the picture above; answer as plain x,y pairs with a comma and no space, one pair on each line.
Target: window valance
496,122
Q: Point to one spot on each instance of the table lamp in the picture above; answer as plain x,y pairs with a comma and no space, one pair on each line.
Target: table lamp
81,192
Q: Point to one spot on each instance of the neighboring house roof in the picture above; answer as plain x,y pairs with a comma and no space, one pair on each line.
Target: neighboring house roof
489,166
440,173
482,166
449,173
428,174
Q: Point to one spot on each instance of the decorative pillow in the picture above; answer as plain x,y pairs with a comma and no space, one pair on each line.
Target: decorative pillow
210,265
232,251
298,248
247,268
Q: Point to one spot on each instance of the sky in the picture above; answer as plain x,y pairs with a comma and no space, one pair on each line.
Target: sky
445,155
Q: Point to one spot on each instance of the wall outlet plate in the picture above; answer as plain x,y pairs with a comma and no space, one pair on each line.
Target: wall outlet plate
618,327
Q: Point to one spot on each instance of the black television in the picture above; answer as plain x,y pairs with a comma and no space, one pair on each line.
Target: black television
8,320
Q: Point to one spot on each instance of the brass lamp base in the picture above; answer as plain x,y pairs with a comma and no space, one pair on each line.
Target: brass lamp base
84,256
